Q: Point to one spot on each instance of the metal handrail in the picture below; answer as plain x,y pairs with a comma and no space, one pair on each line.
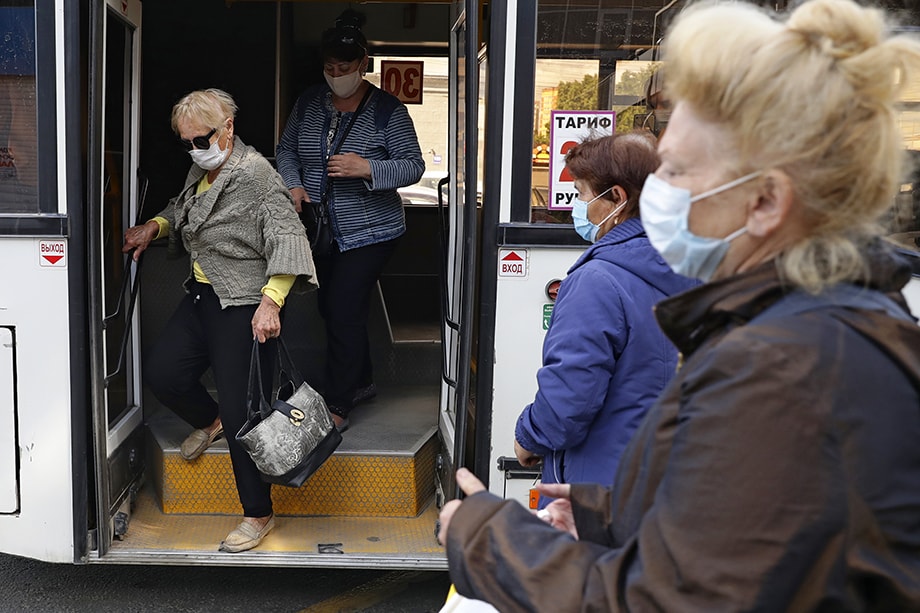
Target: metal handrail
135,286
445,303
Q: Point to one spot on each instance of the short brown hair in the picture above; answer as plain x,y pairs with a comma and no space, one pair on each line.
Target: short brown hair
619,159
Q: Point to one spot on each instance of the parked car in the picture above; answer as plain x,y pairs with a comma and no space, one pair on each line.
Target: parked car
418,195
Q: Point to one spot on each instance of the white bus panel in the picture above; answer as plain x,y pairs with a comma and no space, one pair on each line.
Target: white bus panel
35,304
522,309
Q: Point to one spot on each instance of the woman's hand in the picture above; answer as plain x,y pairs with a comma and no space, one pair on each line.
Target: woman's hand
139,237
558,513
470,485
526,458
300,196
348,166
266,323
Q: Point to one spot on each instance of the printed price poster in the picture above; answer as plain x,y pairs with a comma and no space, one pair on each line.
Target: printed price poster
567,129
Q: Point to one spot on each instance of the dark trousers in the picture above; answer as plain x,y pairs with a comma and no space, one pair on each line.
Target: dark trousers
198,335
346,282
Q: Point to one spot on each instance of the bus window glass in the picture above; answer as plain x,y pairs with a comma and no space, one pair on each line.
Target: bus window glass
903,219
592,75
428,114
18,132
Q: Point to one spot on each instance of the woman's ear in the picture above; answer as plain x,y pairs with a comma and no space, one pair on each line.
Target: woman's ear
618,195
774,206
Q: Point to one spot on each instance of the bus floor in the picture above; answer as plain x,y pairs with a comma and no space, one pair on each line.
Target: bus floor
371,505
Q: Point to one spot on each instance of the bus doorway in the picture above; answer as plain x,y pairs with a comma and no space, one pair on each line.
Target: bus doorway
373,504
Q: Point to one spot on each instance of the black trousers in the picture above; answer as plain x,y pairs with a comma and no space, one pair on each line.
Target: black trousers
200,335
346,282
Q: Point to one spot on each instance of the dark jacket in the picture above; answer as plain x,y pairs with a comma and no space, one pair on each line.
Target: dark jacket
605,360
779,471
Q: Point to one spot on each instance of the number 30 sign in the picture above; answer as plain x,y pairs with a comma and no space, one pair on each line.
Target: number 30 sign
403,79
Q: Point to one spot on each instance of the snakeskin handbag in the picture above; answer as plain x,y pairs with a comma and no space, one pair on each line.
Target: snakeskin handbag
291,438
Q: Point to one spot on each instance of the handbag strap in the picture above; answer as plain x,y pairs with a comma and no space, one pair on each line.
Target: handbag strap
287,364
367,94
255,401
351,122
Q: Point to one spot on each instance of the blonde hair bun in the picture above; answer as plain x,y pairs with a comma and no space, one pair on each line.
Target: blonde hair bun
814,94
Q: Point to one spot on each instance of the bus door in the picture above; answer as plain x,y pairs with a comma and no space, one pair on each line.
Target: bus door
459,231
115,193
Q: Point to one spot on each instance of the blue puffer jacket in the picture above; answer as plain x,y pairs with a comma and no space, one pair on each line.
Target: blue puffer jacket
605,360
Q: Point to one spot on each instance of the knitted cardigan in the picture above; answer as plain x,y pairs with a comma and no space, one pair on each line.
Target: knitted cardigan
242,230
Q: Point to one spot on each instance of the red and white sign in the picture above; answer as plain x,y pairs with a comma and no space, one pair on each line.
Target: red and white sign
403,79
52,253
512,263
567,129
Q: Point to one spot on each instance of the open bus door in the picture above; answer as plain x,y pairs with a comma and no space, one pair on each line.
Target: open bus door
114,194
458,227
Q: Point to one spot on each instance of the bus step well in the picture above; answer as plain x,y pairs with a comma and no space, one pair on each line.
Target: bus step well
383,468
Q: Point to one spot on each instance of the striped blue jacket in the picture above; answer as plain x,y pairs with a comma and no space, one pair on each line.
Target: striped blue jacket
362,212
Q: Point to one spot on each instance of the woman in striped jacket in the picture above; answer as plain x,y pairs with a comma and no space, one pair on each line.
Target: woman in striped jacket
354,144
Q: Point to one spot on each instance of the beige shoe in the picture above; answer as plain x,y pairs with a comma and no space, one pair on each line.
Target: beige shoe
198,441
245,536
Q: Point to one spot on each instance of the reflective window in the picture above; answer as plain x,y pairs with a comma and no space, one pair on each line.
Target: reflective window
597,57
903,219
18,133
593,72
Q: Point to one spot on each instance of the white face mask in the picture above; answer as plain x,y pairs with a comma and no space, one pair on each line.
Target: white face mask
212,157
665,212
345,85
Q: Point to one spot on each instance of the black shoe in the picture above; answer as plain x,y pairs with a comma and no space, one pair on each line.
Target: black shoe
365,393
339,417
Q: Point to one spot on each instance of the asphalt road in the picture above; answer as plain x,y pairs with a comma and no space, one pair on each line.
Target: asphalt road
28,585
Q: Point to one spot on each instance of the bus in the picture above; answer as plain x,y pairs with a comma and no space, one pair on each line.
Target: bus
89,464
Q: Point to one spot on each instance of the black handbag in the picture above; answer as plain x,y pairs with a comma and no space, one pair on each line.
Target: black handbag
315,215
315,218
292,438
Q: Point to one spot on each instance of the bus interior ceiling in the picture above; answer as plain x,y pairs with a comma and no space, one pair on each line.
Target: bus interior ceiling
232,46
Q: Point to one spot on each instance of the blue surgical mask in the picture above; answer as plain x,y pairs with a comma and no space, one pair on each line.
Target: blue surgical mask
665,212
584,226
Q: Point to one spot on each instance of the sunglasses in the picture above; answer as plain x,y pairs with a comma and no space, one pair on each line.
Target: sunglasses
199,142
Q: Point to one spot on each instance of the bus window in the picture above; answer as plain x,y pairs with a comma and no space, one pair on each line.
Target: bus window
591,78
18,132
428,110
903,219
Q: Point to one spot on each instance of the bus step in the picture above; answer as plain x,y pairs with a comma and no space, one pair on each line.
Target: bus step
384,467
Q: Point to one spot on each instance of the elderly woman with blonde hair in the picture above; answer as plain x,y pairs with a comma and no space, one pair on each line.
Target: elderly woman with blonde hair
247,250
779,470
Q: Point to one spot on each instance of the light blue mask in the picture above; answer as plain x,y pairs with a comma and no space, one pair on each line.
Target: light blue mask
584,226
665,211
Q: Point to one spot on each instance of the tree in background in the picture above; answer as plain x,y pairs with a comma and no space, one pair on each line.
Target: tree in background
571,96
578,95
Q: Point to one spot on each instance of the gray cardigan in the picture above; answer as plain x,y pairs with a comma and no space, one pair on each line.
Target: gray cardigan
242,230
